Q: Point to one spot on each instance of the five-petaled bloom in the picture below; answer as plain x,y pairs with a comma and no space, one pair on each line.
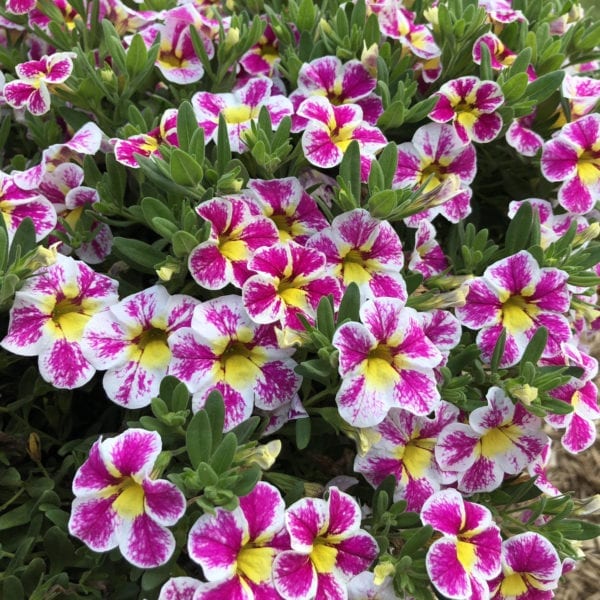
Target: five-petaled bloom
236,549
31,89
386,361
517,296
328,548
49,315
119,503
467,556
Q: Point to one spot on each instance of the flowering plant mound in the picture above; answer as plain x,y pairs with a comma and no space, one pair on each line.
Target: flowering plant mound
292,296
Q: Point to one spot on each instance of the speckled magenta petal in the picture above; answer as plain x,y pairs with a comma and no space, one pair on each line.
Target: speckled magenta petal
145,543
179,588
133,453
95,522
163,501
294,576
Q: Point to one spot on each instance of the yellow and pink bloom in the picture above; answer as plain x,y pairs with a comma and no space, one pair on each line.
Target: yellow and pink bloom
223,349
517,296
328,548
118,502
236,549
500,438
49,315
385,361
468,555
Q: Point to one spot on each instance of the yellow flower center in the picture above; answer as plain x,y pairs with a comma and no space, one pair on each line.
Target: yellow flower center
234,115
342,136
130,501
290,294
513,585
517,314
153,348
465,552
354,268
240,363
255,563
588,167
68,315
323,555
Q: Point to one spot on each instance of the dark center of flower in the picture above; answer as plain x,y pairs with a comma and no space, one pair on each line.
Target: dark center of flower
152,336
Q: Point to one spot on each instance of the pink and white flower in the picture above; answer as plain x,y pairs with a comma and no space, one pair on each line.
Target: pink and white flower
48,317
177,59
237,230
289,280
583,94
397,22
580,427
31,89
427,258
331,129
501,11
239,108
501,438
293,211
531,569
130,342
467,556
118,502
386,361
435,155
348,83
363,250
501,56
224,350
522,137
328,548
19,7
516,295
471,105
405,449
147,144
573,157
17,204
263,57
236,549
179,588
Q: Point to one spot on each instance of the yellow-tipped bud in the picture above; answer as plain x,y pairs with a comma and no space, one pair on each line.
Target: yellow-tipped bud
232,37
369,58
34,447
525,393
383,570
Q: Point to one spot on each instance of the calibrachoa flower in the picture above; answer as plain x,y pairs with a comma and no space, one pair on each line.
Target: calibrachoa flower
239,108
177,59
580,427
330,130
582,93
537,469
427,258
501,56
17,204
531,569
435,154
290,279
179,588
31,89
467,556
386,361
328,548
516,295
501,438
363,587
285,202
236,549
236,232
471,105
119,503
522,137
442,328
363,250
19,7
224,350
263,57
573,157
348,83
129,341
147,144
398,23
406,451
48,317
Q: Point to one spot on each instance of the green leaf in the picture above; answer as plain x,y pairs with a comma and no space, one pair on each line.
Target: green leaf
198,439
23,240
206,475
137,55
303,430
382,204
224,453
246,481
498,351
535,347
419,538
515,87
223,147
579,530
325,318
12,588
350,304
183,243
187,125
519,230
153,207
17,516
317,369
557,407
245,429
138,253
543,87
350,171
184,169
215,409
